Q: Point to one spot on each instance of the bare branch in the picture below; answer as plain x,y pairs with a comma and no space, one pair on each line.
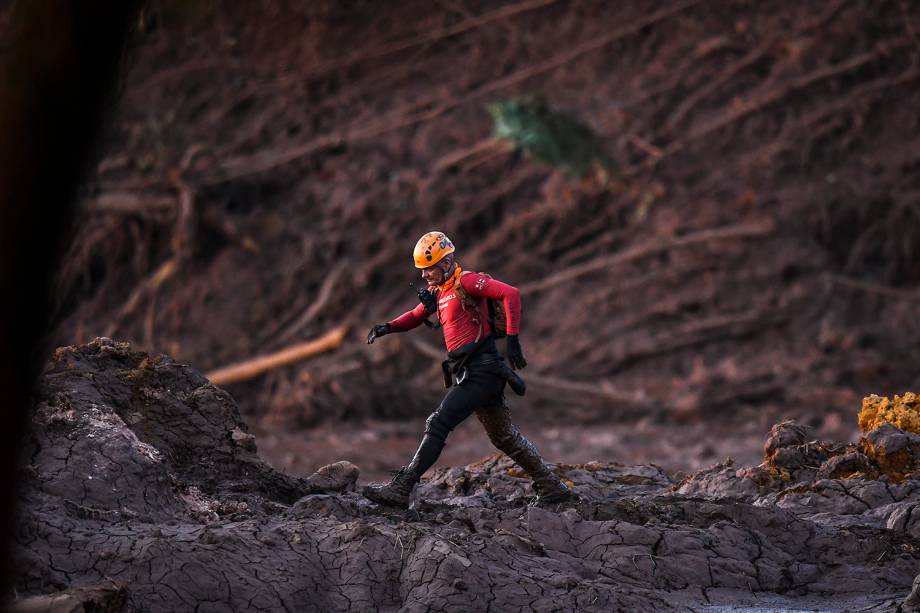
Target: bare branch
884,290
749,230
254,367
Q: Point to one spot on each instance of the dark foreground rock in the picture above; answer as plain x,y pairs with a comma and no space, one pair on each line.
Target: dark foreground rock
142,485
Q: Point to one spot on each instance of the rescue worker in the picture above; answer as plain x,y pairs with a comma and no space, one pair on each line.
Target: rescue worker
474,370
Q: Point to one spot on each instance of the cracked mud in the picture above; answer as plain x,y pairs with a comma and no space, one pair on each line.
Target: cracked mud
144,492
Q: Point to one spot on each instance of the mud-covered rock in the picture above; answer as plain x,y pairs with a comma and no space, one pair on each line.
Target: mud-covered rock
894,451
104,598
724,481
912,602
902,412
848,465
140,474
336,477
782,436
123,432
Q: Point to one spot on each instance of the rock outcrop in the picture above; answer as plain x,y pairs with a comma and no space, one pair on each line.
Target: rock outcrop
142,484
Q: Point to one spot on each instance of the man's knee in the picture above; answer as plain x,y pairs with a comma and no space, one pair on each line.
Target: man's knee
498,427
437,426
503,440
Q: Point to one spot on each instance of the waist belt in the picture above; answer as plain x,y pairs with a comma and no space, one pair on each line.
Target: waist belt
483,353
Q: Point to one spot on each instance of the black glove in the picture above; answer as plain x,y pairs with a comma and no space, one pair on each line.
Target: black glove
377,330
515,355
427,298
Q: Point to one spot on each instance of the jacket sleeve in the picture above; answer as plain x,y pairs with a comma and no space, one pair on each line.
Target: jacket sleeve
482,286
408,320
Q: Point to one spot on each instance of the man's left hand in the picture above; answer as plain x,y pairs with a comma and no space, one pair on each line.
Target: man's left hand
427,298
515,355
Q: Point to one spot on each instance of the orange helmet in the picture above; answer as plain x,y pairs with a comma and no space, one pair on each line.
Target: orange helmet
431,249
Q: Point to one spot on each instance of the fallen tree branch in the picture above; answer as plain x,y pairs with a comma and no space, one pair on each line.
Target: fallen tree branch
883,290
126,203
485,147
254,367
823,18
749,230
473,22
161,77
806,124
711,86
164,272
601,388
758,102
325,291
700,332
679,74
181,244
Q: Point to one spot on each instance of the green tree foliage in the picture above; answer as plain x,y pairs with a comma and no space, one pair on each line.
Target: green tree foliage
553,136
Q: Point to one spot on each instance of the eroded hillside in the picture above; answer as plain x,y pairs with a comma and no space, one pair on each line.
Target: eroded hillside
268,170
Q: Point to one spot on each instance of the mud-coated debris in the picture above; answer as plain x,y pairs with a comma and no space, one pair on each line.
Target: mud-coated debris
725,481
912,602
905,518
103,598
566,582
136,476
903,412
782,435
896,452
208,537
243,439
790,458
336,477
760,476
848,465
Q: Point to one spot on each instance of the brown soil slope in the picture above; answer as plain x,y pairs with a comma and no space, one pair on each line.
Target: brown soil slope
271,164
143,492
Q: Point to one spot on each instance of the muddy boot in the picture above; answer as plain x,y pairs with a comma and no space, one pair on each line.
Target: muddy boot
396,492
551,490
507,438
549,487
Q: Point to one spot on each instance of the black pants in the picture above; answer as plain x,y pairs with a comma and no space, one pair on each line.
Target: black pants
480,392
480,389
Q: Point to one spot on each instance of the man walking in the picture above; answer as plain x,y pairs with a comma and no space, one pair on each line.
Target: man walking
474,370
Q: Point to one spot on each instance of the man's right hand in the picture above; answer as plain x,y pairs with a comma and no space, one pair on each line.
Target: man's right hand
377,330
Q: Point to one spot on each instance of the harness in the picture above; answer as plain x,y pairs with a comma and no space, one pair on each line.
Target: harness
498,319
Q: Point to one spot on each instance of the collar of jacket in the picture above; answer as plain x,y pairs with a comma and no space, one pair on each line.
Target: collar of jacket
451,281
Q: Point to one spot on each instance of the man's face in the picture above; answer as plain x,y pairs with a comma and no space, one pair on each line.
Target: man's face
433,274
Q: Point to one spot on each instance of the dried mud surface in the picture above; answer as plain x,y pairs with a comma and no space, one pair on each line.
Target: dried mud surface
144,492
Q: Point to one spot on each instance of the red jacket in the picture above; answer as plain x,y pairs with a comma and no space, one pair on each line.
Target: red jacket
463,326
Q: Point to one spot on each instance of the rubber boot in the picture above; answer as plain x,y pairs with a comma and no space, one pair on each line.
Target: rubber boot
508,439
549,487
396,493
